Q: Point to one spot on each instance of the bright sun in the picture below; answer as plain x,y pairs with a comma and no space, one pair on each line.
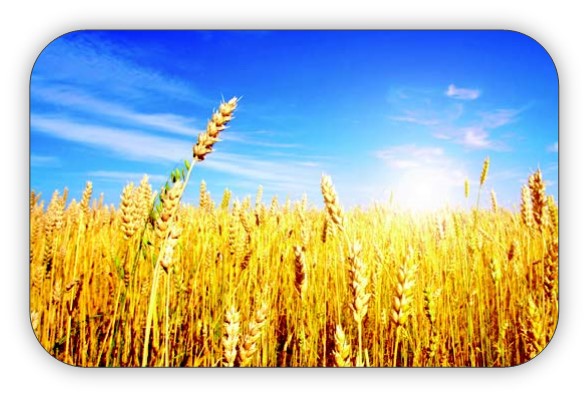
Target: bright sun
423,190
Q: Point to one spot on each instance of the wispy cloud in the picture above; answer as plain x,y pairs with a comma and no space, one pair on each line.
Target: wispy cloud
462,93
275,170
103,65
78,101
166,122
553,148
125,177
412,117
429,113
476,138
479,133
279,172
44,161
499,117
130,144
450,120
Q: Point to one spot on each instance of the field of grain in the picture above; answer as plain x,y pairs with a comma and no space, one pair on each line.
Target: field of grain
240,283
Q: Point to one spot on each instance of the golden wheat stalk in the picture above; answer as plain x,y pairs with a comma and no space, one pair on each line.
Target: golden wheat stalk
431,314
551,264
217,123
169,245
484,173
359,278
326,229
86,196
483,176
430,306
250,345
300,272
206,203
358,282
53,224
55,213
553,216
342,352
538,199
533,330
231,337
405,280
332,202
526,207
33,200
145,197
494,201
127,211
170,201
234,228
259,207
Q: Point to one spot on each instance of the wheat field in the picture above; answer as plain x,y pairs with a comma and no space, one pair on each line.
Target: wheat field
157,283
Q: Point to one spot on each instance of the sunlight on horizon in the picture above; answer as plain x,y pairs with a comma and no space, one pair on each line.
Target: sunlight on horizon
423,191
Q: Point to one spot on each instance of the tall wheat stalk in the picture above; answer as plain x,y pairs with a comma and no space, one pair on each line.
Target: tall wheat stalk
171,200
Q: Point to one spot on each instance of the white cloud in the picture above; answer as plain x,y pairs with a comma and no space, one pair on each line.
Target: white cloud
269,170
462,93
449,121
479,133
126,177
279,172
430,114
410,117
44,161
129,144
476,138
102,65
165,122
499,117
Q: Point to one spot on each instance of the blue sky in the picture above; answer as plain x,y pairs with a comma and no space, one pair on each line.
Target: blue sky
414,113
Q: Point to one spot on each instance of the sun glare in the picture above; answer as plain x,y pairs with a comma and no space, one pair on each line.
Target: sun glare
423,191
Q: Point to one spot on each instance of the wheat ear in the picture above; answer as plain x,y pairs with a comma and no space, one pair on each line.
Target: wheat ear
231,337
127,211
533,328
250,344
358,275
332,202
342,350
405,279
526,207
538,199
300,271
